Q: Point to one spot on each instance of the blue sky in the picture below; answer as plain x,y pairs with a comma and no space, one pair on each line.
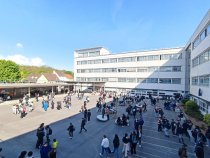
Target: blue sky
46,32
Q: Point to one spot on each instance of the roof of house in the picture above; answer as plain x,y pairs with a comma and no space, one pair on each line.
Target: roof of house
60,73
33,77
68,76
50,77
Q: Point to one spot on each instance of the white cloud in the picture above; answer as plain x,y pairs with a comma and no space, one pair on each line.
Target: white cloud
23,60
19,45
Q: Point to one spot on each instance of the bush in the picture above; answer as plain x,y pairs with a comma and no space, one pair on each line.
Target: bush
192,109
207,119
184,101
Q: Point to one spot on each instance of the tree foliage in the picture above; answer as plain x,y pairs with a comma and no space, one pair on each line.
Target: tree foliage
9,71
192,109
207,119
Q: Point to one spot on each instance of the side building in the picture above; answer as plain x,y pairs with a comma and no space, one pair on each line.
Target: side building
156,72
198,51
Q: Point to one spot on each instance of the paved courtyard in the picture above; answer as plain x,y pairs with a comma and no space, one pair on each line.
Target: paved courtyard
20,134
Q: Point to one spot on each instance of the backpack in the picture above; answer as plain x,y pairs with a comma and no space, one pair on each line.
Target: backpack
50,131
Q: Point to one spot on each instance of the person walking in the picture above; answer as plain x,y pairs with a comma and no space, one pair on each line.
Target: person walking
116,144
85,113
183,151
105,146
40,135
173,127
125,141
83,125
22,154
199,150
71,130
207,134
88,115
133,142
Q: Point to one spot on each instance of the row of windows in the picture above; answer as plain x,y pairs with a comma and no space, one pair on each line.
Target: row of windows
132,80
132,59
89,54
202,58
202,105
133,69
201,36
201,80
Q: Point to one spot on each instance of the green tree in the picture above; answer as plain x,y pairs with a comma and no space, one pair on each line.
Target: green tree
9,71
207,119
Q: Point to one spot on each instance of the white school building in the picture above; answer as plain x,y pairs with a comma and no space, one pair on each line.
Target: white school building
183,70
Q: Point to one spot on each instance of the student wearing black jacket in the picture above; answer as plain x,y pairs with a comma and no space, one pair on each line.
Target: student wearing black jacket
116,144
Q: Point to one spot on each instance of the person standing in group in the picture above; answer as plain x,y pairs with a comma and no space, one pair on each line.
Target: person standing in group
207,134
126,141
139,136
30,154
71,130
40,135
116,144
45,150
54,149
88,115
48,132
199,150
173,126
83,125
133,142
183,151
105,146
22,154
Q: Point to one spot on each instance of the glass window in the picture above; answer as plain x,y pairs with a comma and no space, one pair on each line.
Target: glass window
83,79
141,80
165,69
131,70
78,62
203,35
97,61
122,70
176,68
194,80
206,56
196,42
176,80
204,80
152,80
91,54
165,80
78,79
83,62
142,70
131,79
112,79
97,70
127,59
90,61
121,79
209,53
104,79
153,57
78,71
105,60
208,30
142,58
166,57
195,61
113,60
152,69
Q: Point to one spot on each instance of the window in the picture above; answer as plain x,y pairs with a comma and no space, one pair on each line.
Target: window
83,62
176,68
97,70
176,80
194,80
122,70
153,57
142,70
91,54
105,60
208,30
112,79
165,80
141,80
196,42
203,106
152,80
203,35
204,80
79,63
97,61
113,60
90,61
131,70
104,79
165,69
152,69
78,71
121,79
109,70
142,58
131,80
127,59
195,62
166,57
78,79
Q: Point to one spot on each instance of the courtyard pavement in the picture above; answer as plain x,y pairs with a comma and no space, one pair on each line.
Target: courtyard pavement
20,134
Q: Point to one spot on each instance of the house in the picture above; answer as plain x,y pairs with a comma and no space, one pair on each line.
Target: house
62,76
32,78
47,78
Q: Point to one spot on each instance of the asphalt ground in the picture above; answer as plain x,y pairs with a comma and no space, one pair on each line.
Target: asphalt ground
20,134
